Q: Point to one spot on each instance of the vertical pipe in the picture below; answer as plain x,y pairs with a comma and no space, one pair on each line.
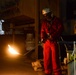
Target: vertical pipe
36,26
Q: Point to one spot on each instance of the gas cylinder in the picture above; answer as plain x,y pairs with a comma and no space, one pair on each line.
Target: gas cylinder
30,42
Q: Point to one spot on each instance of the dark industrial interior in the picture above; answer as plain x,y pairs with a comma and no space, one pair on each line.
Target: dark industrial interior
20,21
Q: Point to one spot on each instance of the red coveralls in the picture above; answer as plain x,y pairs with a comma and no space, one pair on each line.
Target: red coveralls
51,51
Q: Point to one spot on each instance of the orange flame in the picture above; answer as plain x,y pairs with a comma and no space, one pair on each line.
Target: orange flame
12,50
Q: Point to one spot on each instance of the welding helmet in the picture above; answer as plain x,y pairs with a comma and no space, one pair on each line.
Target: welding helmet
47,12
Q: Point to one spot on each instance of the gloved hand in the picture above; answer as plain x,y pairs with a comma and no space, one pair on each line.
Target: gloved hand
49,36
42,42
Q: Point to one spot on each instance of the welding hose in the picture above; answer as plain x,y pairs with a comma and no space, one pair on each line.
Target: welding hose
39,44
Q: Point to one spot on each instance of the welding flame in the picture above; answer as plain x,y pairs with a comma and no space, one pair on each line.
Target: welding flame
12,50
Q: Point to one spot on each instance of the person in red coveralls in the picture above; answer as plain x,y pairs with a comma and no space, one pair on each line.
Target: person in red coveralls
51,30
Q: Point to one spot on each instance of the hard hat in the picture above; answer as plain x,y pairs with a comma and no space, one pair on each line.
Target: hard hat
46,10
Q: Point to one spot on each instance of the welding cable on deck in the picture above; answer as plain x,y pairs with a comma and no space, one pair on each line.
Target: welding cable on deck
39,44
